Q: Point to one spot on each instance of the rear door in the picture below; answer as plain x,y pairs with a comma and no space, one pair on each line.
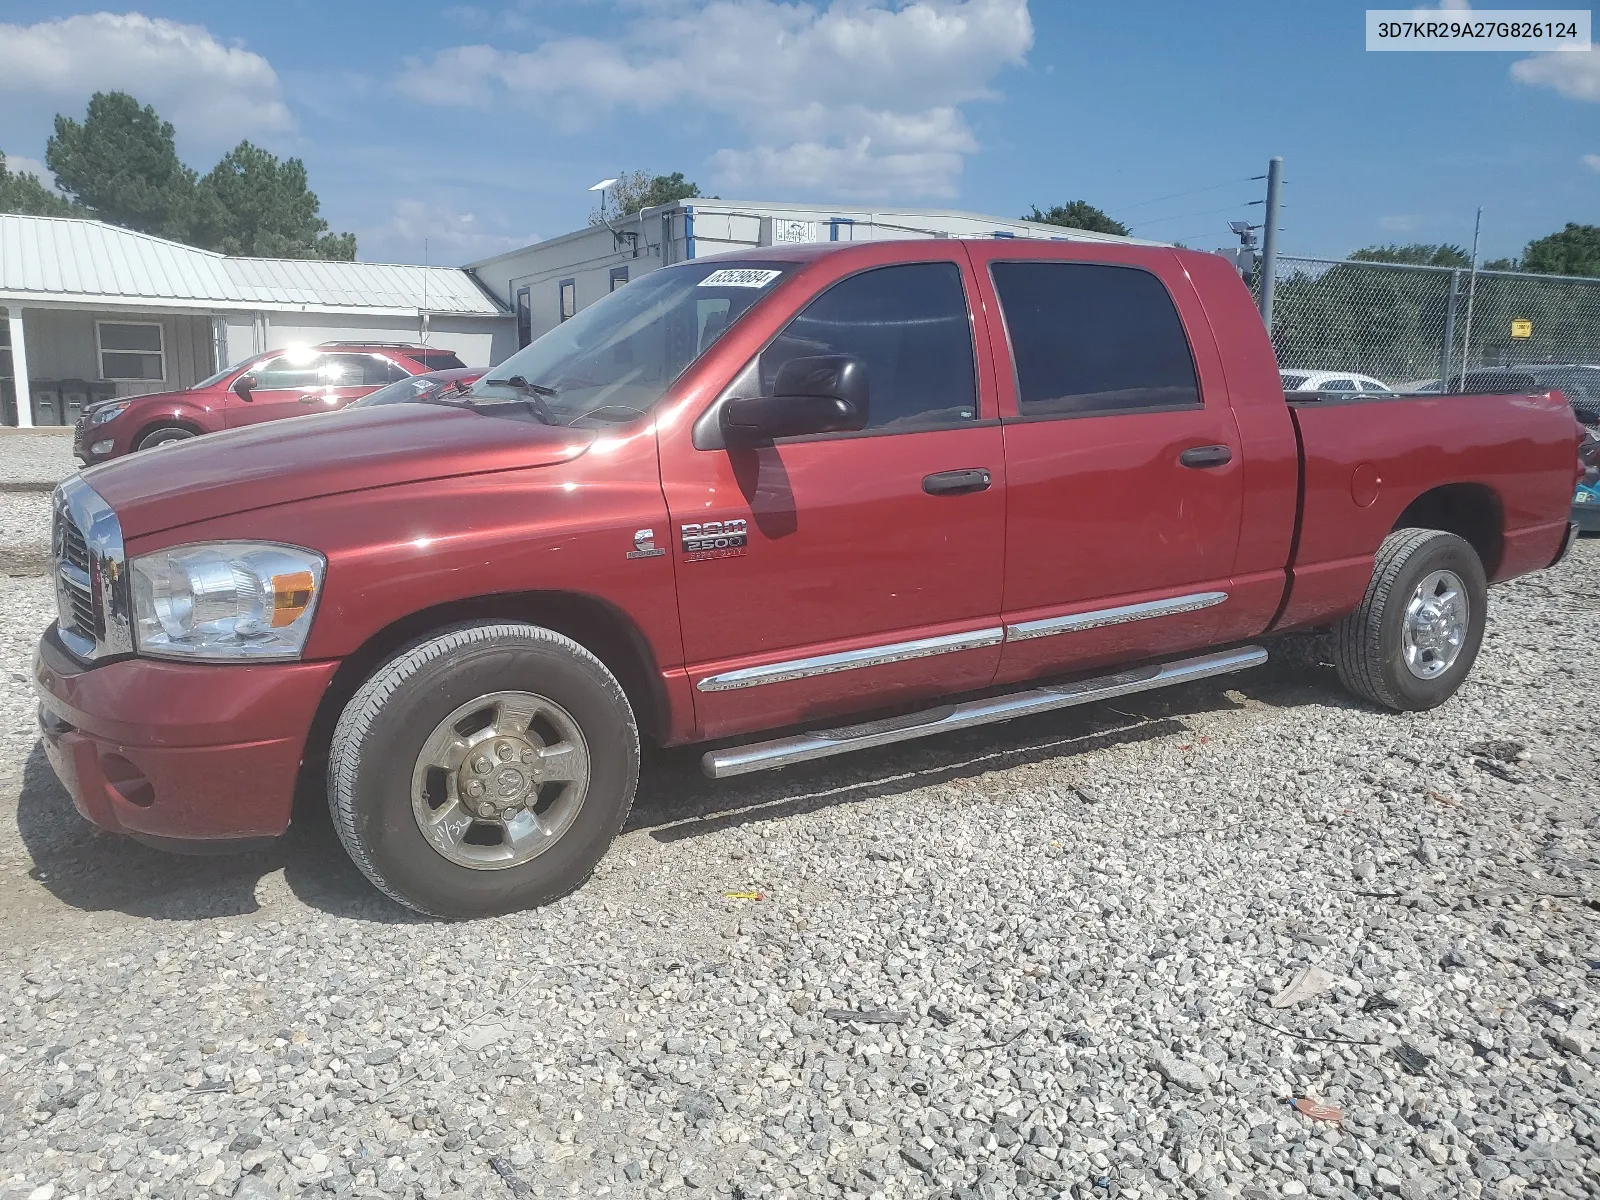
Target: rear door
846,572
1123,472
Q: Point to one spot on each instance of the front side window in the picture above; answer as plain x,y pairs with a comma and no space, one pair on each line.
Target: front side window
1338,385
131,351
1092,338
618,357
1291,379
909,325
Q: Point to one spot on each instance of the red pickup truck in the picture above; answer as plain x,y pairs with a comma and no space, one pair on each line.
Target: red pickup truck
789,502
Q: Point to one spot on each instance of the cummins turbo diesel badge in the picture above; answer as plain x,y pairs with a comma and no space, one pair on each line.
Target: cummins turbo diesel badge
714,539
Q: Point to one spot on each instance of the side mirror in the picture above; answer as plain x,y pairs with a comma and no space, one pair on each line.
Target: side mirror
826,393
243,385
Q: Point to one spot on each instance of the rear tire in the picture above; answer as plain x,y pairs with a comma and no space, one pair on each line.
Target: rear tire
166,435
1414,638
430,741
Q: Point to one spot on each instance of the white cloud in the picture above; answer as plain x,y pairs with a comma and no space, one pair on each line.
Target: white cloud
421,229
212,93
21,164
856,99
1574,74
1592,161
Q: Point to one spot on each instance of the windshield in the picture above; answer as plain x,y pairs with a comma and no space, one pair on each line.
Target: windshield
618,357
213,380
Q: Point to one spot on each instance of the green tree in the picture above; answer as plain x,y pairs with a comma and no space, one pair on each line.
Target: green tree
22,192
122,165
1080,214
1419,254
637,190
1574,250
251,203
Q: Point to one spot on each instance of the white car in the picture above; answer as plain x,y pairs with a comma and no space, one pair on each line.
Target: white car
1331,381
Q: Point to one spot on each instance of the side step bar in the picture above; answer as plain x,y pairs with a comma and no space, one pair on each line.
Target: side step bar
823,743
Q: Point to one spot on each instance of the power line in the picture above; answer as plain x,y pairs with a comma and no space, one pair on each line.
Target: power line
1191,192
1208,212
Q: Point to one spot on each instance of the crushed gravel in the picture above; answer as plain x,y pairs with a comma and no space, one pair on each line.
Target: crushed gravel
36,459
1032,960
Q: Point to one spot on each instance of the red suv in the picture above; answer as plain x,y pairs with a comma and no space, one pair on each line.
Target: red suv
289,382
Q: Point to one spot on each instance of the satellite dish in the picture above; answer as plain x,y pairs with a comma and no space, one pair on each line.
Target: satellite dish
602,185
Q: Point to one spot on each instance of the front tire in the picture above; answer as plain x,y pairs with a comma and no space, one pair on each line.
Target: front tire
1414,638
166,435
484,769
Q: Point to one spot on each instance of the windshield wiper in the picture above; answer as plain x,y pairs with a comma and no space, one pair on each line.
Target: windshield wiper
532,393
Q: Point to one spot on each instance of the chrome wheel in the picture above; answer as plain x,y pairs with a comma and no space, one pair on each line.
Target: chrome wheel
500,780
1435,626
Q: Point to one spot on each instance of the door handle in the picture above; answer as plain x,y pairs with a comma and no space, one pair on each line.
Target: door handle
309,398
952,483
1206,456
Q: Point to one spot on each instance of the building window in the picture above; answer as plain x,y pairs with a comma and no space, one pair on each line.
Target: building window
524,316
569,299
130,352
619,276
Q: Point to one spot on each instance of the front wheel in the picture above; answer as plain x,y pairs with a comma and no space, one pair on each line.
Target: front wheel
1418,630
483,770
166,435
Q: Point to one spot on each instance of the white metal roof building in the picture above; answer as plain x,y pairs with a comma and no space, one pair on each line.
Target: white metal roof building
549,281
68,286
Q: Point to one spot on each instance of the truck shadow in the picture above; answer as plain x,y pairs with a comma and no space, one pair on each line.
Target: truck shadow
86,869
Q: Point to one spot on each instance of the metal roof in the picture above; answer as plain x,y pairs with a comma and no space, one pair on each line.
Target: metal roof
63,259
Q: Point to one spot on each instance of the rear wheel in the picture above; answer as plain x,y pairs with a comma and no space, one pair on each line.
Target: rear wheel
483,770
166,435
1418,630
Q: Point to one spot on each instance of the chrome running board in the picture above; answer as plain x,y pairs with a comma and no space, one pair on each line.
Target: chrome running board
947,718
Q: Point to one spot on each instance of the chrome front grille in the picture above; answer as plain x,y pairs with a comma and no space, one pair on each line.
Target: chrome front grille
91,585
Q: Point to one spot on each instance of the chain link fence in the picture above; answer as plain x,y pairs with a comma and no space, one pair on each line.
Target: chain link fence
1410,324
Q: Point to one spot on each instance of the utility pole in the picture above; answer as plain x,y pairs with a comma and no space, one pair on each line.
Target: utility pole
1472,290
1269,239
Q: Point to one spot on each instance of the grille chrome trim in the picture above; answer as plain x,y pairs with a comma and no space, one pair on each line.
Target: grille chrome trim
93,602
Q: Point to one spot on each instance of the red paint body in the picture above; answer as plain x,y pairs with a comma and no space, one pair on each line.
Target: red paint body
429,514
216,407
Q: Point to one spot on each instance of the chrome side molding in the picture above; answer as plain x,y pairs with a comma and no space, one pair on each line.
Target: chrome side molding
1049,626
850,660
823,743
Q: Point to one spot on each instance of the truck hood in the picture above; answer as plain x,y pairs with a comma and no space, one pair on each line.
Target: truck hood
321,454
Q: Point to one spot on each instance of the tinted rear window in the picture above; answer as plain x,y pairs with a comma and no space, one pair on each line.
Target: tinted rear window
1292,381
435,360
1086,337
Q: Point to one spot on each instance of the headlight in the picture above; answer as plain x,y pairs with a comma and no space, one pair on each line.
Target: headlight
101,415
225,600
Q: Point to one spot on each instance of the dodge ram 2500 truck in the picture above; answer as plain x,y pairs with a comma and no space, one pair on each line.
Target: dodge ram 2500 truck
789,502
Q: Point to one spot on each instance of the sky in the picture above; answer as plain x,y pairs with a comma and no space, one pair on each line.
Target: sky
479,127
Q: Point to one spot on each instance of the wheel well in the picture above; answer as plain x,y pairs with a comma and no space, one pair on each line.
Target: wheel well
595,625
165,423
1471,511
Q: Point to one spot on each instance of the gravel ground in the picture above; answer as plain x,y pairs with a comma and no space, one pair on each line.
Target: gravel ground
38,458
1058,940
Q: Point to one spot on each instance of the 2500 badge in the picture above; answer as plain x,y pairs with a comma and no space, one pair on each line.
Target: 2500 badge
714,539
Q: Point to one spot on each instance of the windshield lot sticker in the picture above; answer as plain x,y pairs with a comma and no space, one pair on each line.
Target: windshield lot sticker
740,277
714,539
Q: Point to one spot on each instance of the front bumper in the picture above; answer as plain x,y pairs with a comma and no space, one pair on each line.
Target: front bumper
1586,517
180,752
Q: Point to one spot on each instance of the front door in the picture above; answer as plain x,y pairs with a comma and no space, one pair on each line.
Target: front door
296,383
1123,468
848,572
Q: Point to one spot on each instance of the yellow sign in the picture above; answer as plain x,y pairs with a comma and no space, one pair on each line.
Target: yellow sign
1521,328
